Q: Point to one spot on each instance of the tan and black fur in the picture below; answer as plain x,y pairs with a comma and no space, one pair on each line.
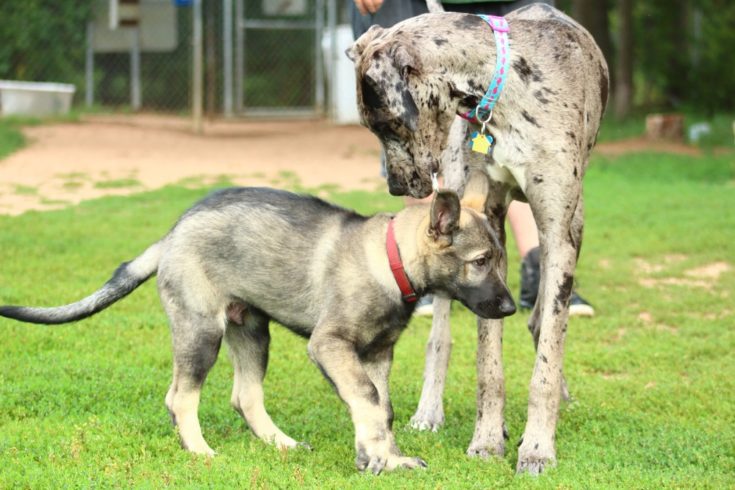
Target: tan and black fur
412,81
244,256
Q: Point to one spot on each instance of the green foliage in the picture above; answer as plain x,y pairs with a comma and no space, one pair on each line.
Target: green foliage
81,405
11,139
44,40
683,53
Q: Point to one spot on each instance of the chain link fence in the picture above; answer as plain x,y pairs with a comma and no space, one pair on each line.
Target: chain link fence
259,56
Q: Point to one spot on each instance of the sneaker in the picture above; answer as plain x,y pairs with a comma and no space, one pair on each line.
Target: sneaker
530,279
579,307
425,306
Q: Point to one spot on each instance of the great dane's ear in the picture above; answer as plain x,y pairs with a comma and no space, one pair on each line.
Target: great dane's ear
444,216
476,190
404,59
355,51
408,66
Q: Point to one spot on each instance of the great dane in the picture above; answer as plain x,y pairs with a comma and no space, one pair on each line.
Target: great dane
412,81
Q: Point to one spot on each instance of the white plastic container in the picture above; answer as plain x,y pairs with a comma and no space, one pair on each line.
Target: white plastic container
343,97
35,98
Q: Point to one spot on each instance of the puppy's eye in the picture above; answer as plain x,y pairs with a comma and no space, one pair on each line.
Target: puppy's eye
480,262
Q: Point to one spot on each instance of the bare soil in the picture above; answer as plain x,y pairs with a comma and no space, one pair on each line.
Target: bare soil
66,163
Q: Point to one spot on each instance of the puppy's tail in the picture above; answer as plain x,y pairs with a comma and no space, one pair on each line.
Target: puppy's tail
125,279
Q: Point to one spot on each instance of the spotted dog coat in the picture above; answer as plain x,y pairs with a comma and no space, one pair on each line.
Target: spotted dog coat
412,81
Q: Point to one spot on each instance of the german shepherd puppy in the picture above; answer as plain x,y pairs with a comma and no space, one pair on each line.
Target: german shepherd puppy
243,256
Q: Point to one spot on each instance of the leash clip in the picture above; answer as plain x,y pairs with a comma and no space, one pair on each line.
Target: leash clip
481,121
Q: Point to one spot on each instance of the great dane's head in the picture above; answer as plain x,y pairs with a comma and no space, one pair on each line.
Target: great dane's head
409,115
464,257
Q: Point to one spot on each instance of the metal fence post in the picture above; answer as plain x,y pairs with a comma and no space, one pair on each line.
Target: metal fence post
135,92
197,67
227,57
89,67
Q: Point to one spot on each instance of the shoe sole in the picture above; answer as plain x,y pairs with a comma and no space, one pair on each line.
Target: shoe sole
581,310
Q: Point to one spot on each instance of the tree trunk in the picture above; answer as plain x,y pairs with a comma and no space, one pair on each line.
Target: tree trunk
624,71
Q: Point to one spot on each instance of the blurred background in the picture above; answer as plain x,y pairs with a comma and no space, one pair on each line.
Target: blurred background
210,58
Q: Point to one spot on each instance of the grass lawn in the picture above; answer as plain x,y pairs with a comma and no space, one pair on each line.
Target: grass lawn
652,375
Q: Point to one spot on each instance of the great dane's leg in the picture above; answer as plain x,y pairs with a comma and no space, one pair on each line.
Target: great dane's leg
430,411
248,344
490,431
559,218
196,343
340,364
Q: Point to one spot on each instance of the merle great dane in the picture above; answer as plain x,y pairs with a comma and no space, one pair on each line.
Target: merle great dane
412,81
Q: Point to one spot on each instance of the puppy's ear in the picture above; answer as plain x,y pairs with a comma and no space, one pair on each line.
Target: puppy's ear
476,190
357,48
444,216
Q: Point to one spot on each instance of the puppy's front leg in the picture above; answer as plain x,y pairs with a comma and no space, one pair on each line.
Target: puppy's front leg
374,440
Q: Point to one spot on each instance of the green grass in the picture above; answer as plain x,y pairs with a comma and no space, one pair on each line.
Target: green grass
652,374
11,138
117,184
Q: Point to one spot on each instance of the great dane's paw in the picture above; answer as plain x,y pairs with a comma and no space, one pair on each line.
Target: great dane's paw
486,444
486,449
427,420
534,457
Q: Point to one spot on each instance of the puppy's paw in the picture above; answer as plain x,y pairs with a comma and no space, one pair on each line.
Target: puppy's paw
535,456
379,464
381,461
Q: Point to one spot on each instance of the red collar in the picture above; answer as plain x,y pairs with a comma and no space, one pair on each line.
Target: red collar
396,266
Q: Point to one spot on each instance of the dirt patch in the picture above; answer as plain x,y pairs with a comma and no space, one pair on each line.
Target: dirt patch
64,164
704,277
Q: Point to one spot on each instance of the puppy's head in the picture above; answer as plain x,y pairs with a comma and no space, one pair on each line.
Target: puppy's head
401,108
465,256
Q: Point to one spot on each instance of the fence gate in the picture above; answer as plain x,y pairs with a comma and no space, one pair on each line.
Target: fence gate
278,57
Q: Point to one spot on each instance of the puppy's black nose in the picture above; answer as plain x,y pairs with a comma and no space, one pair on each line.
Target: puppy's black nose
506,305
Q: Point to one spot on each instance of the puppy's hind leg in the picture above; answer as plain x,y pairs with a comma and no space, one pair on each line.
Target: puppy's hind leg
248,339
196,342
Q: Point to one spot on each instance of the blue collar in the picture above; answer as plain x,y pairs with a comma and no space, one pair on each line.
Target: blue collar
484,110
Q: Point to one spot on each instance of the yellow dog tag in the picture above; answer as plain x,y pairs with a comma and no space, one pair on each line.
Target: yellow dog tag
481,143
